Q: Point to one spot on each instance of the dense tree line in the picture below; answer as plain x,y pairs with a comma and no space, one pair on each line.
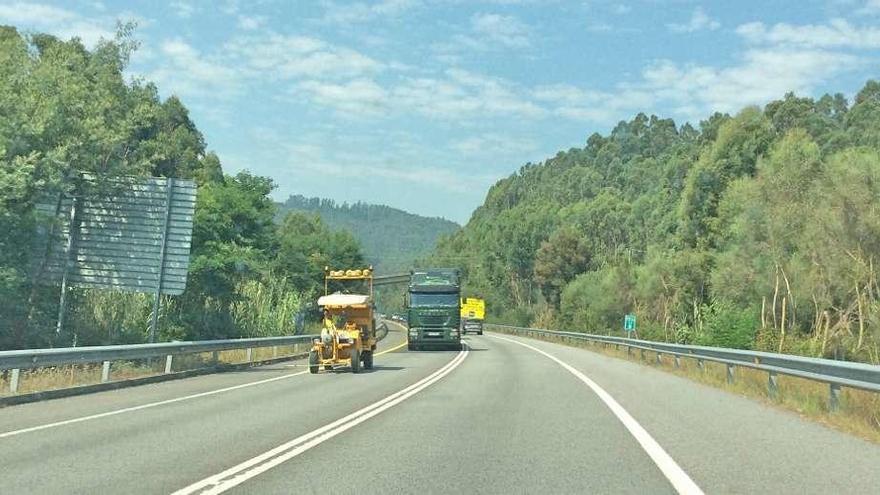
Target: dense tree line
391,239
757,230
67,110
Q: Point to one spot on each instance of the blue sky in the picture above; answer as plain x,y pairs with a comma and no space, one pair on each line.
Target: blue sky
423,104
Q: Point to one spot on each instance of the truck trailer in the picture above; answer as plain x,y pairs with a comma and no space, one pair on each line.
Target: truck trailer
473,313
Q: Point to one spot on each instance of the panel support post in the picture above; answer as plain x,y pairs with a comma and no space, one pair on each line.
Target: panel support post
72,229
162,245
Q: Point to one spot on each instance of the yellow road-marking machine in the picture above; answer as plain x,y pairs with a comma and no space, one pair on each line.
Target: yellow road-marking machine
348,336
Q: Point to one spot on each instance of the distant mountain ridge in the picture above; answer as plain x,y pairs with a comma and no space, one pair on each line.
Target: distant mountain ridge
391,239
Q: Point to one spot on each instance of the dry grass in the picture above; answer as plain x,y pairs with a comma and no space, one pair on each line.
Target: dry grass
54,378
859,412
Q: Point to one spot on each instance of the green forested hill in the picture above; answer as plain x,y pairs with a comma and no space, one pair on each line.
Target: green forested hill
755,230
391,239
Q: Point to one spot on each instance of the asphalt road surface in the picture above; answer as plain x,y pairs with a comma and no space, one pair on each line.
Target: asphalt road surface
497,417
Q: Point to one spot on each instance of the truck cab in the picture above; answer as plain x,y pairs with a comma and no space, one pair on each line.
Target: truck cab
433,309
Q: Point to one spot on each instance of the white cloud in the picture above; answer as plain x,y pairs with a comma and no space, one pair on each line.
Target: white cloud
362,12
251,22
599,27
187,72
576,103
281,56
494,145
777,59
453,95
871,7
838,33
62,23
621,9
502,29
324,155
699,21
459,94
183,8
358,97
762,75
486,32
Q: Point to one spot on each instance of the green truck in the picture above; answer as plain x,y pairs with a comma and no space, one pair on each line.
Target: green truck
432,309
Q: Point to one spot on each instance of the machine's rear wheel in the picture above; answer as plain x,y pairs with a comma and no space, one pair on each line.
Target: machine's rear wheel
355,360
313,361
368,360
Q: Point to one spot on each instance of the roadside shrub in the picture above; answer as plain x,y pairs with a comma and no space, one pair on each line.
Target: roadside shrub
725,325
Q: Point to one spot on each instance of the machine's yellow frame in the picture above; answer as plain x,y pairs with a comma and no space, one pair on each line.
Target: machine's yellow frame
355,342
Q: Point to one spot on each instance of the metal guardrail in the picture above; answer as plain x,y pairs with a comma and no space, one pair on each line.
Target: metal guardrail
15,361
836,374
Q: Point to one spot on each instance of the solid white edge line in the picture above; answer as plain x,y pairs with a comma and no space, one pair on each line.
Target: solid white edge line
149,405
680,480
257,465
145,406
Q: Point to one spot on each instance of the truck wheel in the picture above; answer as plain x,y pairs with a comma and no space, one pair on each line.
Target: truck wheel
355,360
313,362
368,360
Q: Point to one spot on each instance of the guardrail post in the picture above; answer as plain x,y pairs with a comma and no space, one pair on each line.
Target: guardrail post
730,376
13,380
642,354
659,359
772,385
677,361
215,358
629,351
105,372
274,351
834,397
701,365
168,360
250,353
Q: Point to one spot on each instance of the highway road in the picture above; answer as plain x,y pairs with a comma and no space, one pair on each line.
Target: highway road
504,415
